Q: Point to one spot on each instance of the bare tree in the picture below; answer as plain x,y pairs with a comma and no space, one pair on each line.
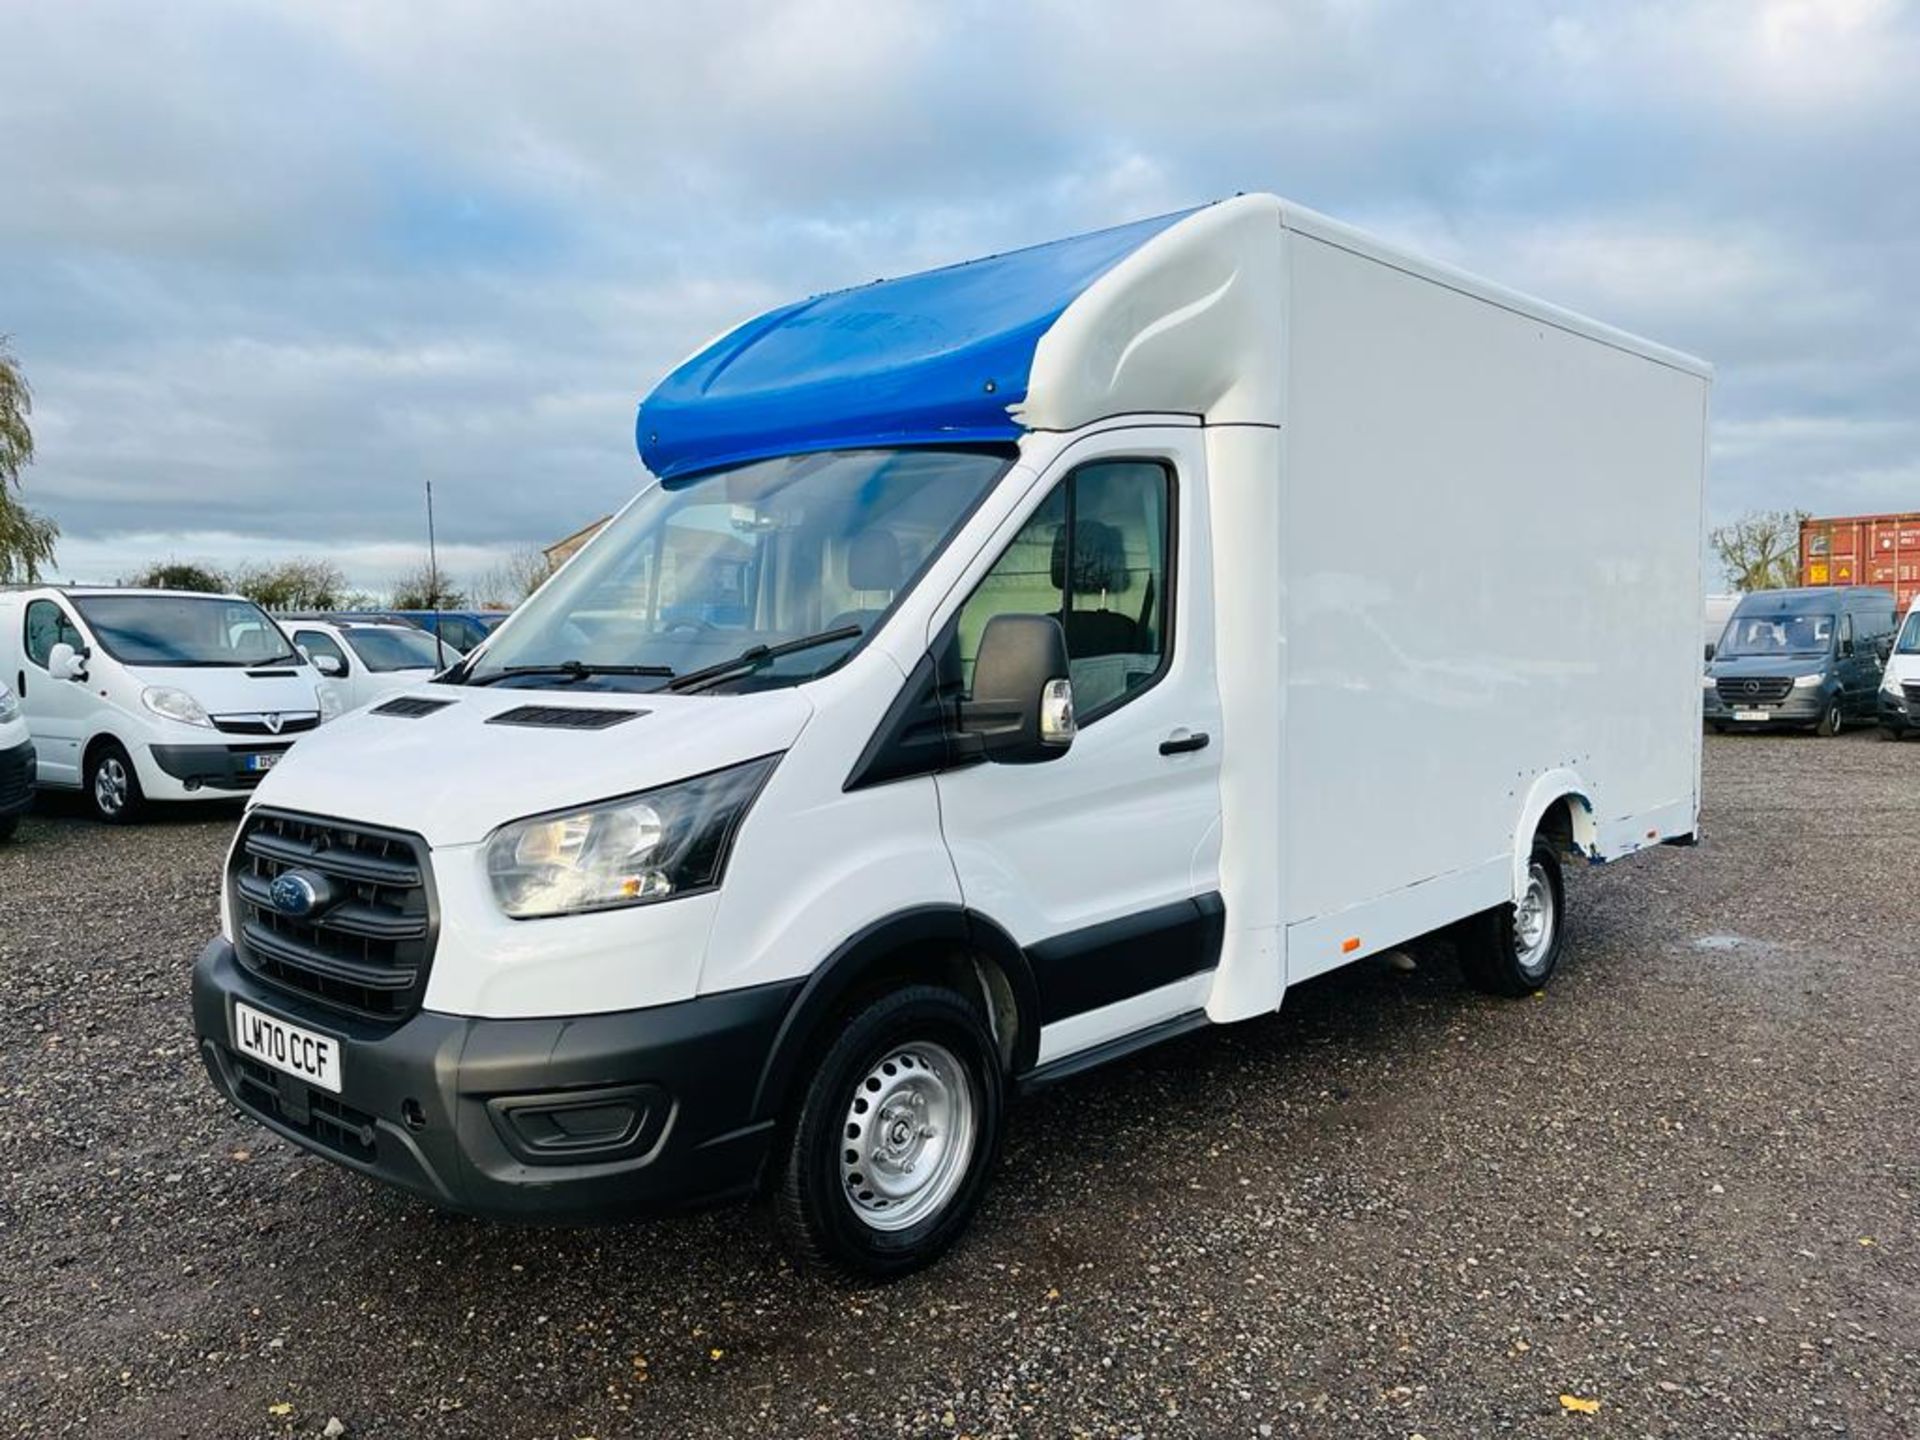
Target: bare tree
26,537
426,589
1760,550
180,575
296,584
507,582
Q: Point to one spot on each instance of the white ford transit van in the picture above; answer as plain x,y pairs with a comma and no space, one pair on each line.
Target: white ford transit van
1001,669
135,695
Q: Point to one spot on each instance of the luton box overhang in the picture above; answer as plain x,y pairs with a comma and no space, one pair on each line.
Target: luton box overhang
939,357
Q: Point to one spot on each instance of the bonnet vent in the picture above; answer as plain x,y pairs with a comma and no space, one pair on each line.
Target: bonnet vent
564,717
411,707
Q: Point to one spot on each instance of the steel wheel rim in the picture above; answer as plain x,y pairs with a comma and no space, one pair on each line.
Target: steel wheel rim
908,1136
110,786
1533,920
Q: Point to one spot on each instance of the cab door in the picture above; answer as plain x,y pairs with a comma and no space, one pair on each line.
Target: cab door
56,710
1102,864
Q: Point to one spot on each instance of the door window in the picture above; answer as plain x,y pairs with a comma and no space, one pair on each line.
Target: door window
1846,634
47,626
1094,555
317,644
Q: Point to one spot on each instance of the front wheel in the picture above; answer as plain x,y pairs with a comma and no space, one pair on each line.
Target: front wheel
889,1152
8,824
1831,719
113,786
1514,949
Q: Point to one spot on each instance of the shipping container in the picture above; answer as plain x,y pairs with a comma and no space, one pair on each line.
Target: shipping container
1878,550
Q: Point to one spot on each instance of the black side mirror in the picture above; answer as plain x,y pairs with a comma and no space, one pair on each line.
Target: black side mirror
1709,653
1021,712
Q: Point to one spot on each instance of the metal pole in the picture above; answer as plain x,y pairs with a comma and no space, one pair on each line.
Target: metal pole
433,584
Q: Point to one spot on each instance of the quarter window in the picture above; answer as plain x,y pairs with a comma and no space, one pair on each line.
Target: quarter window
47,626
1094,555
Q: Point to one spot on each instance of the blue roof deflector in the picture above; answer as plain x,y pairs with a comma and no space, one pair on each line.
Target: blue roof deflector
933,357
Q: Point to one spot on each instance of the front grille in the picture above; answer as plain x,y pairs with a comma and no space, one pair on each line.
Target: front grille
16,775
257,724
366,949
316,1114
1912,691
1753,690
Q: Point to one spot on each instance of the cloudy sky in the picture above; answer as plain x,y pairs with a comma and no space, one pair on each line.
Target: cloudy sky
269,267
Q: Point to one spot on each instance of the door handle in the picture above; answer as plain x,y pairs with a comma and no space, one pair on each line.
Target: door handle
20,682
1183,741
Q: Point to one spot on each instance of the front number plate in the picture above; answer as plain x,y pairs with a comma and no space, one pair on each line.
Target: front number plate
262,762
300,1053
1753,714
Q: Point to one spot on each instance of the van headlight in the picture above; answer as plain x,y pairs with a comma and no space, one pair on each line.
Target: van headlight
9,707
1807,682
1889,682
327,697
171,704
643,848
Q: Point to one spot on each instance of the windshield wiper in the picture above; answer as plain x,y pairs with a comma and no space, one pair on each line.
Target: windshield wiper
754,656
573,670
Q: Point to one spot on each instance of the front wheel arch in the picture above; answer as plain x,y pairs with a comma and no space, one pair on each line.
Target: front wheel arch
930,944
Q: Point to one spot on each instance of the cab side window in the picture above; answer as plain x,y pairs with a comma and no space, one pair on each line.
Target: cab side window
1846,634
317,644
1094,555
47,625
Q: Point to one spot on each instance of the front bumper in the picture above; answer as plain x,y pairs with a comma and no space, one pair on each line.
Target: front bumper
1897,712
1800,707
215,767
572,1120
17,771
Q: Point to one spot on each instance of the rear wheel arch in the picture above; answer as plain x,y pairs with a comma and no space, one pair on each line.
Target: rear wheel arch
943,945
1559,808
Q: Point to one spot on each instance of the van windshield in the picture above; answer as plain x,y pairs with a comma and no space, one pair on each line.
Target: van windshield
386,648
184,630
1909,641
1776,635
802,555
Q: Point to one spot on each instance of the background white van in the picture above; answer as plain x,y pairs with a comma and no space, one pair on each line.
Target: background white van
366,659
134,695
16,764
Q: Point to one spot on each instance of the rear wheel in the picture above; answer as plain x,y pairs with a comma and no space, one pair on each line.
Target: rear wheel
1514,949
889,1152
1831,719
113,786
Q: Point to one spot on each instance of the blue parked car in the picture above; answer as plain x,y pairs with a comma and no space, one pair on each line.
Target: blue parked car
462,628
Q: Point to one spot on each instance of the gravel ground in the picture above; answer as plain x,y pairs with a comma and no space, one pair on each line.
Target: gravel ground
1682,1185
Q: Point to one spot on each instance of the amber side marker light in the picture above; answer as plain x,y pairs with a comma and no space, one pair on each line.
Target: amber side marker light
1350,944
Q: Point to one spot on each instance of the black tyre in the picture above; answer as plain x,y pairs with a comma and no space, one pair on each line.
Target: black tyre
1719,728
1892,732
888,1154
1831,719
8,824
1514,949
113,785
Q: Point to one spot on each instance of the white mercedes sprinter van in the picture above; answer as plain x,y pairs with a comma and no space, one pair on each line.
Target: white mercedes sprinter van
1899,700
1000,669
135,695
